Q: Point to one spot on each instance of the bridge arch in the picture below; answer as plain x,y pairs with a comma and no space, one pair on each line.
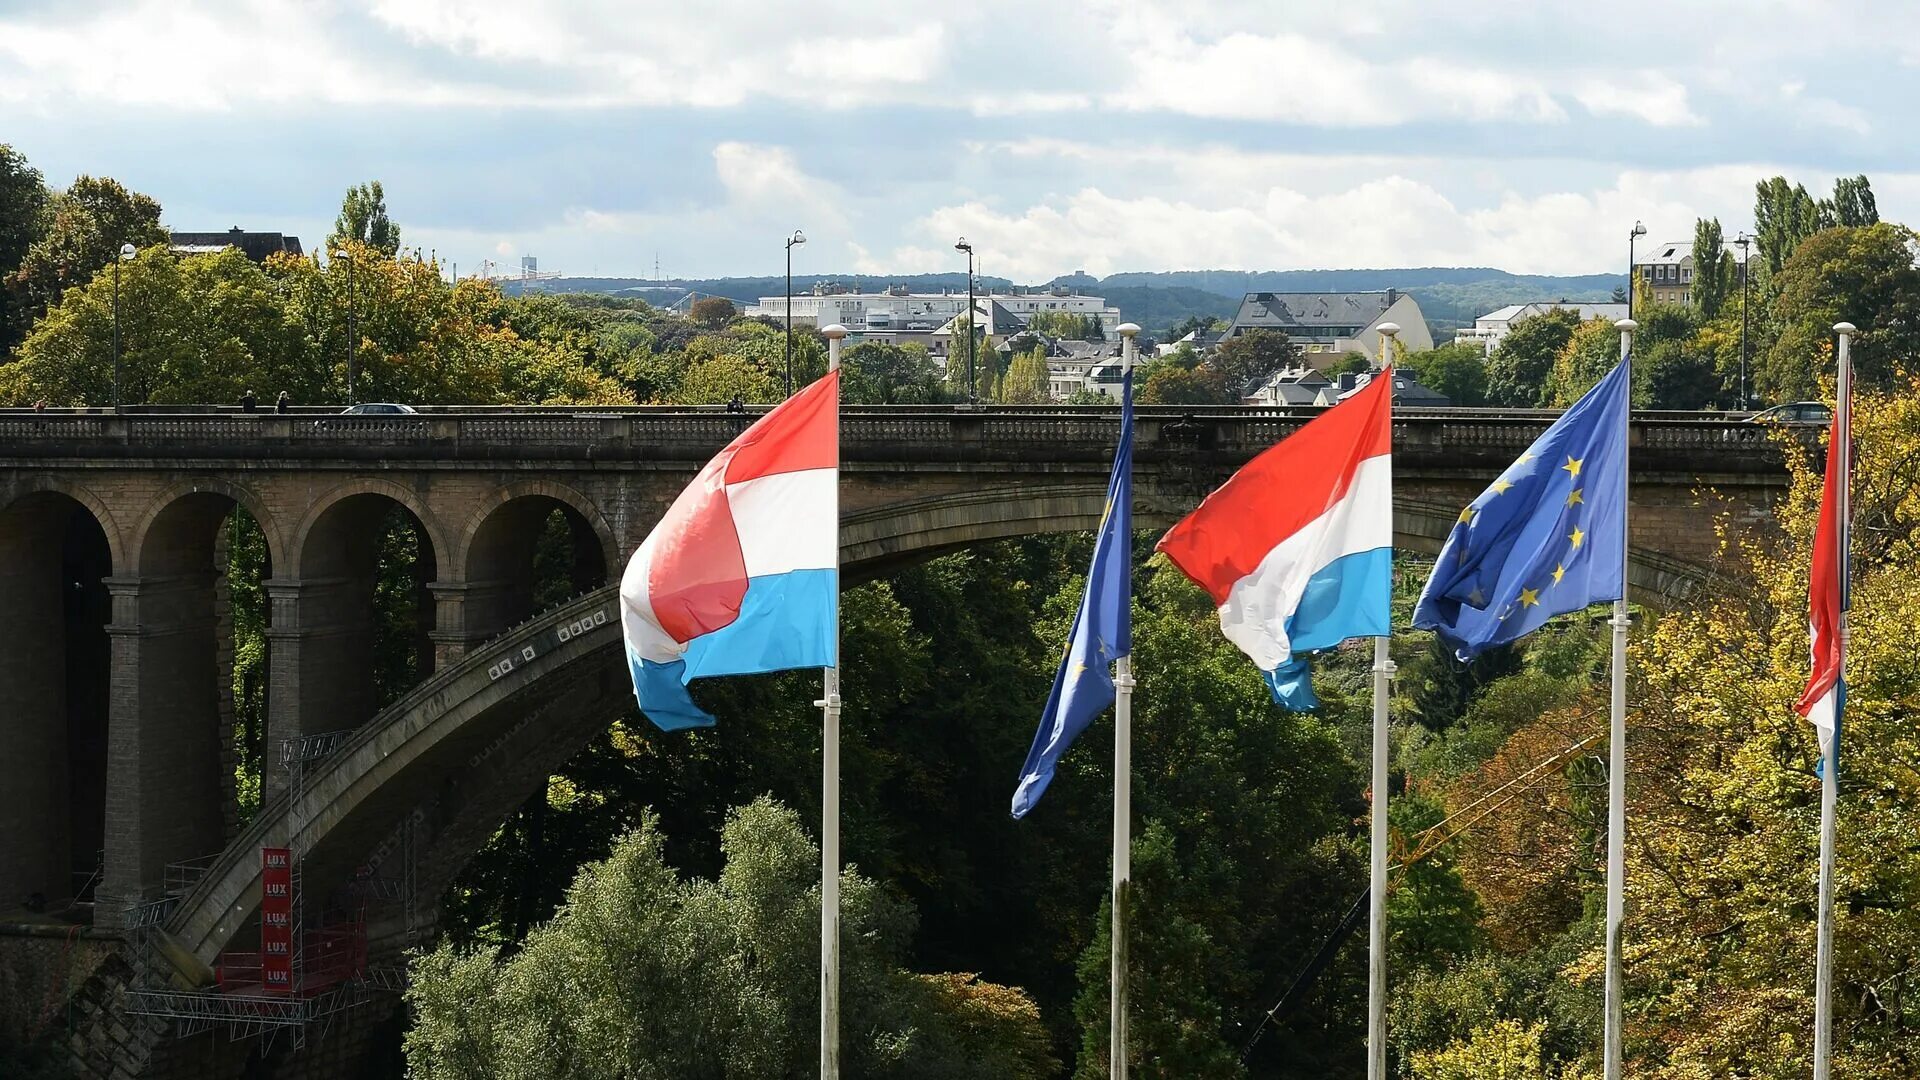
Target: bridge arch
79,493
570,498
189,492
527,547
300,540
59,549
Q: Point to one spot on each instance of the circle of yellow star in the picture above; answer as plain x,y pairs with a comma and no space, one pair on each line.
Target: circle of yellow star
1576,536
1529,598
1559,571
1500,487
1573,465
1574,498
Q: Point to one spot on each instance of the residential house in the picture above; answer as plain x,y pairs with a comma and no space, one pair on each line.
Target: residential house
1326,325
1666,270
1408,393
254,245
1490,329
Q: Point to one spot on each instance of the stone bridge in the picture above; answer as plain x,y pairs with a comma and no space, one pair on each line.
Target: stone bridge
115,675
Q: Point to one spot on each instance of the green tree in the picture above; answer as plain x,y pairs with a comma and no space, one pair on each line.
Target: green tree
1027,380
712,312
1457,369
1783,216
1863,275
23,220
882,373
1170,384
1246,361
1503,1051
1713,268
363,220
86,226
646,974
1853,204
1517,369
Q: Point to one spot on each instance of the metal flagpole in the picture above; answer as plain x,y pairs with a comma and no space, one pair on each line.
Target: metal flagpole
1617,735
1830,775
1122,807
1383,669
830,802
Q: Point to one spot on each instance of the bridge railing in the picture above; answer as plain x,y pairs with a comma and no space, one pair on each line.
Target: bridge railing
867,433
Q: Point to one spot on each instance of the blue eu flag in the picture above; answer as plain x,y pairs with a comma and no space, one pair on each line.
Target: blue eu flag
1548,537
1083,688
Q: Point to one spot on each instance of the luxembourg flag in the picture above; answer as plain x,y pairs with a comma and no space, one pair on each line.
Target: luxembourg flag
742,574
1296,548
1827,601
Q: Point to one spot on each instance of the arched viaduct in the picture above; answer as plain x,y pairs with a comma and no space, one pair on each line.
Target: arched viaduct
115,679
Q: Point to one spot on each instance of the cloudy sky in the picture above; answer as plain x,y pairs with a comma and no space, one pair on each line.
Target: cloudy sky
1105,136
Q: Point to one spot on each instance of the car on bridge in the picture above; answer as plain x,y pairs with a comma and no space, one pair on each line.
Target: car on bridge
370,410
1795,412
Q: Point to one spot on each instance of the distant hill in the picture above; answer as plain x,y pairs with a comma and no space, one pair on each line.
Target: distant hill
1450,296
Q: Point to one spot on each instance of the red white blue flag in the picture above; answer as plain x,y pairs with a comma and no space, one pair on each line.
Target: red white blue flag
742,574
1296,548
1827,600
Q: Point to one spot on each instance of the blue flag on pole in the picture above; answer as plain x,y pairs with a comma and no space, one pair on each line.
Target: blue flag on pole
1547,537
1103,631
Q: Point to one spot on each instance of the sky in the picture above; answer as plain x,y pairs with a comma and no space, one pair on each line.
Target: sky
603,135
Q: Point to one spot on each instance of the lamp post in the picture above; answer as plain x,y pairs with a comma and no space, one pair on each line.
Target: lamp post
962,245
126,252
353,337
796,239
1744,241
1639,231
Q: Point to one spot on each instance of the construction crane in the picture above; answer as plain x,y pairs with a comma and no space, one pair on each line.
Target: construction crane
1405,851
529,272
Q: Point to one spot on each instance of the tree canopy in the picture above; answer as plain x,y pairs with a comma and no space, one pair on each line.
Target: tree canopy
363,220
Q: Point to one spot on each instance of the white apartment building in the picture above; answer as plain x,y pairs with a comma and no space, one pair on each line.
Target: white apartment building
896,310
1666,270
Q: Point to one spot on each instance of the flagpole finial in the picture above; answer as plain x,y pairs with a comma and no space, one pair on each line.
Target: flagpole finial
1626,324
1843,328
1128,329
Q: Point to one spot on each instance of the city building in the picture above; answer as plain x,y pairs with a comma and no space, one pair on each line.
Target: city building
1666,270
1490,329
897,314
1290,386
1408,393
1325,325
254,245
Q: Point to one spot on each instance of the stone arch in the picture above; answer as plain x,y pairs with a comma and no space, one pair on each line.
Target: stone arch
499,578
59,549
239,495
298,539
570,497
80,493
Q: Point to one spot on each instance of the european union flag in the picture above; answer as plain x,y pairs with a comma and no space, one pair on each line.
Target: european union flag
1548,537
1083,688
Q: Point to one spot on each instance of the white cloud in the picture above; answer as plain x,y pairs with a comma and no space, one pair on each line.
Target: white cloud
1391,220
1644,95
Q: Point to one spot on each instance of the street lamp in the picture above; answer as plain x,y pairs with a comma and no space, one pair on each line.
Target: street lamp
962,245
126,252
1639,230
792,241
1745,242
353,337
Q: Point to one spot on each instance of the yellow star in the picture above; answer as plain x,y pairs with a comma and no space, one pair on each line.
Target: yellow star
1466,516
1529,598
1573,465
1574,498
1078,668
1524,457
1500,487
1576,536
1559,571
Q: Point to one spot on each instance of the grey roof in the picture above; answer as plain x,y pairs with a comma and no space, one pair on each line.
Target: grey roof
1406,390
1309,312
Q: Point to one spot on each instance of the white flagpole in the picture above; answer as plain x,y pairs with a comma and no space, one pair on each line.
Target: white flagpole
1122,804
1617,735
1830,776
830,802
1383,669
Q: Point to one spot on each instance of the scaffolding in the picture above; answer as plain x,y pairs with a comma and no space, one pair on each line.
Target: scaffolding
329,956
